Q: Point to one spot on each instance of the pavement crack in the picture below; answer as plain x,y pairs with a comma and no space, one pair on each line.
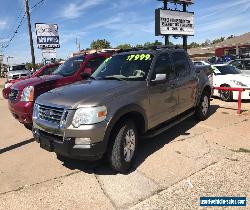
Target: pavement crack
163,189
104,191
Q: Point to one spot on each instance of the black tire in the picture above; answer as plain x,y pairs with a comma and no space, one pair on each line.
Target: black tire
62,158
116,152
202,110
28,126
226,95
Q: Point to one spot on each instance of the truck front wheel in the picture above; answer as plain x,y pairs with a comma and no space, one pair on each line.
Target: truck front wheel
123,149
202,109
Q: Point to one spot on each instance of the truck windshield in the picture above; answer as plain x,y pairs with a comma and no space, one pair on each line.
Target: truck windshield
17,68
125,67
70,66
223,70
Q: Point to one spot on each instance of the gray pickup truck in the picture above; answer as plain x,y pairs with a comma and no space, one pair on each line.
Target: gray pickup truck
135,93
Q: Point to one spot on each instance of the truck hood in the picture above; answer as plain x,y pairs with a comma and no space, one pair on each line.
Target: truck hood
34,81
86,93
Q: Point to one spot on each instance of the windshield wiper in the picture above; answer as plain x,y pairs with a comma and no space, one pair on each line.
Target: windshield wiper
91,77
112,78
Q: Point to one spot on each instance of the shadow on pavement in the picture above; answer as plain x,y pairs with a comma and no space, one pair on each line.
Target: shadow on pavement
146,148
15,146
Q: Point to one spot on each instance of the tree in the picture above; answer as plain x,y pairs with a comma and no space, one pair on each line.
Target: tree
206,43
124,46
139,45
193,45
215,41
230,37
155,43
100,44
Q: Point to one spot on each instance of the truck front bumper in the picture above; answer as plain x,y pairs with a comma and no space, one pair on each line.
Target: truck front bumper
22,111
64,142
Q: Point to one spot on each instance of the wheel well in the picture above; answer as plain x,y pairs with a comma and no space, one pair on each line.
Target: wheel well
207,89
136,117
224,85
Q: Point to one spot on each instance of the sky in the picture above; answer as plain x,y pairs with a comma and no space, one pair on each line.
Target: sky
118,21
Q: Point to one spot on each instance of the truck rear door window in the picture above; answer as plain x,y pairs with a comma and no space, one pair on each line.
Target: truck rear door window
181,64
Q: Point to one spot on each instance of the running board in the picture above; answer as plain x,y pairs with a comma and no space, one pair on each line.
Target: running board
156,132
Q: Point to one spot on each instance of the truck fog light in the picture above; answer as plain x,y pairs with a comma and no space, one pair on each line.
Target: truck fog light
82,140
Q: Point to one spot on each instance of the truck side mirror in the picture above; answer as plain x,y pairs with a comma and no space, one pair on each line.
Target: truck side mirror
159,78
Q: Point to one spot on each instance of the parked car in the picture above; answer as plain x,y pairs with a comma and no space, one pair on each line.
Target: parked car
134,93
24,93
17,71
201,63
229,76
242,64
45,70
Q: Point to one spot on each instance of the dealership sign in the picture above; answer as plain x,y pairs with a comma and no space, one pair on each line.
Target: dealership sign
47,35
168,22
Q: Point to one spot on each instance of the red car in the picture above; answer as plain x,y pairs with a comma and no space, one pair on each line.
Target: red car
45,70
24,93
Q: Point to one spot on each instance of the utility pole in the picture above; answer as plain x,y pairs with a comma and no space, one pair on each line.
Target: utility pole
184,36
30,34
78,44
165,2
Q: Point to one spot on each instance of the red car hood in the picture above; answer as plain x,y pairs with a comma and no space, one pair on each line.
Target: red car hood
36,81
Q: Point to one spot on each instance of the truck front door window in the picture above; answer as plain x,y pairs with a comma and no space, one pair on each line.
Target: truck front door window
163,66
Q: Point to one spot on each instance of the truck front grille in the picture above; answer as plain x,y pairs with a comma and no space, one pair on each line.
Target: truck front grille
17,76
13,95
52,114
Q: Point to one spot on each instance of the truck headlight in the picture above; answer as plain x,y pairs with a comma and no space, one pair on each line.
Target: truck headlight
89,115
238,83
28,94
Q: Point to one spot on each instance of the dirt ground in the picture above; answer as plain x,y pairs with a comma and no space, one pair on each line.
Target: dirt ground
172,171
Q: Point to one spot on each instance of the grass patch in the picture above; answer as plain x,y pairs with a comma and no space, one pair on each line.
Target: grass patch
242,150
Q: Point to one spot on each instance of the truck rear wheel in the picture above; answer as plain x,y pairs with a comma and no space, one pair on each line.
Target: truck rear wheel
202,109
122,151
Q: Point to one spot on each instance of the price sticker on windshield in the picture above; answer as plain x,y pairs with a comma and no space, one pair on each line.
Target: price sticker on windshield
140,57
215,70
107,60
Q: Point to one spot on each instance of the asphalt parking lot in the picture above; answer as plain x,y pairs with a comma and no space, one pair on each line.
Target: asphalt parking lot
172,171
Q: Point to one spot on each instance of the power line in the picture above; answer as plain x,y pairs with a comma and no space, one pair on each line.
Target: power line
18,17
21,22
15,32
38,3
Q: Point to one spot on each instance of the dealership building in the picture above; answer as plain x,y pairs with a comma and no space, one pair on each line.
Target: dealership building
238,45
